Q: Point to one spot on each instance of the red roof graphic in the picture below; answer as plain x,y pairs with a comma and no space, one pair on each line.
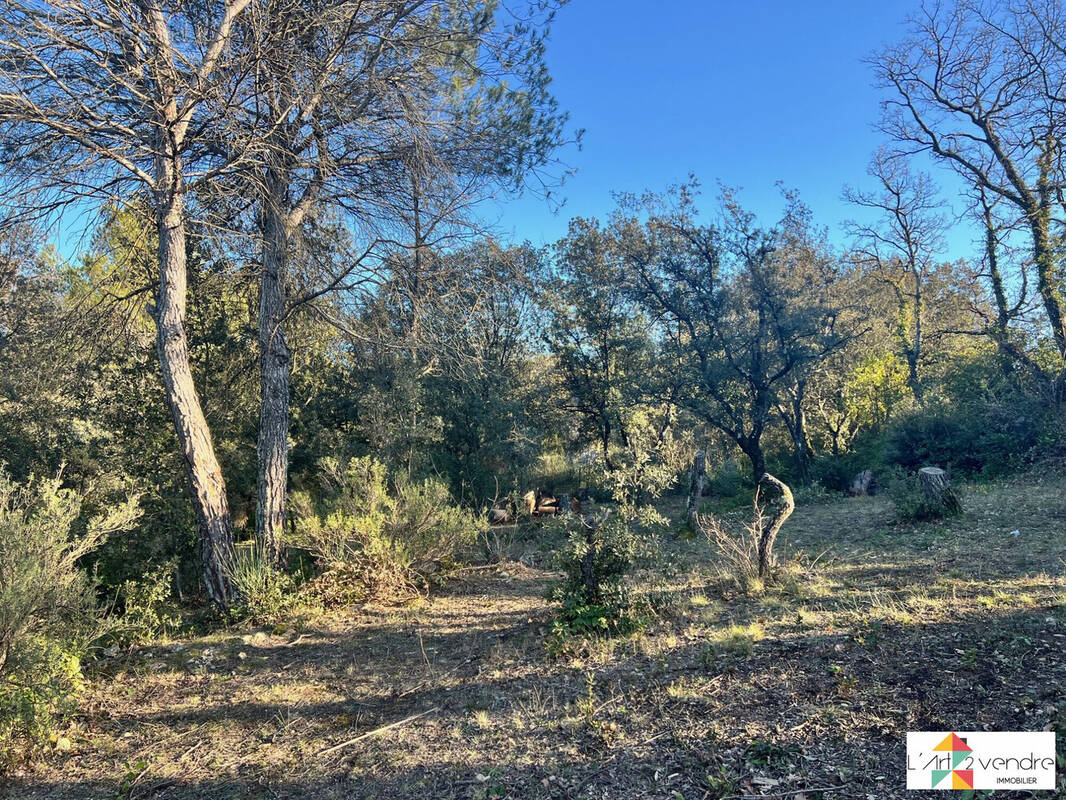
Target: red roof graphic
953,743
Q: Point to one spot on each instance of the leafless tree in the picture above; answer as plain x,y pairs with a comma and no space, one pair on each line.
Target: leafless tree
899,248
982,86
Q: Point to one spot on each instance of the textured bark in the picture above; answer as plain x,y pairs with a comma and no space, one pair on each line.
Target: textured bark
206,485
696,485
274,366
775,506
938,493
1048,281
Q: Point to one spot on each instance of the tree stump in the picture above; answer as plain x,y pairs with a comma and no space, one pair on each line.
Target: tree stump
697,484
863,483
937,494
774,504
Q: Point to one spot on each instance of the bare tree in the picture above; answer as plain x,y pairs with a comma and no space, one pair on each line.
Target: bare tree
982,86
101,102
899,249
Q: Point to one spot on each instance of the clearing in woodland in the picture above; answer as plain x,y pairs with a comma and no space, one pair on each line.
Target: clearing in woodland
804,690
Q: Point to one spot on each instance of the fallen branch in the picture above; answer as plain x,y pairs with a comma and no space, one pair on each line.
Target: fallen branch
376,731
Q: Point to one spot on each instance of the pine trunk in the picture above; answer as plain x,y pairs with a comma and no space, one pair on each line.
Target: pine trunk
206,485
274,365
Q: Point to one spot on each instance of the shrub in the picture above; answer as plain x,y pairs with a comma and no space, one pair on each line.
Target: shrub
593,595
599,554
264,593
149,609
727,481
48,613
379,543
987,437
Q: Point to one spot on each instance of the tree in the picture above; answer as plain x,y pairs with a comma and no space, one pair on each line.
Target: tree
982,86
748,309
100,103
899,250
597,335
395,116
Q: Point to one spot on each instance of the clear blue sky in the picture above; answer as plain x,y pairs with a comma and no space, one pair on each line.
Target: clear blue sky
748,93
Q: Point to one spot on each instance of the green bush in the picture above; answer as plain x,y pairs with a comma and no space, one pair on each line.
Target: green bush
264,593
593,596
982,438
381,542
727,481
48,612
148,605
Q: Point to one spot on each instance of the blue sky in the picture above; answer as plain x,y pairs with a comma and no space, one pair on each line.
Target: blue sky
746,93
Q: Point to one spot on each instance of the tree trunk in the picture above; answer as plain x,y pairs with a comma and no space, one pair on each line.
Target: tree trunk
775,505
939,498
697,483
274,364
801,444
206,484
1048,280
753,450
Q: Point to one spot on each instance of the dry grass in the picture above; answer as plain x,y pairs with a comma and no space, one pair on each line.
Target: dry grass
875,629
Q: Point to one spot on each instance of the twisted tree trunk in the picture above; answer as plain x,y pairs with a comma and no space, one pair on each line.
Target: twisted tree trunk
775,504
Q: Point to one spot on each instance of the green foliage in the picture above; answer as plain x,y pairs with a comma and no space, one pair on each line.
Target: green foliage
984,437
48,613
149,608
593,596
382,541
264,593
727,480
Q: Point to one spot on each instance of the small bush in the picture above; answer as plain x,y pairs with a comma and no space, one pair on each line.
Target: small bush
149,608
593,595
48,613
380,543
264,593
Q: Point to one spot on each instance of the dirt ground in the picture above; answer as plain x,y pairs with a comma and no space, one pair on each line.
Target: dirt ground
805,690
